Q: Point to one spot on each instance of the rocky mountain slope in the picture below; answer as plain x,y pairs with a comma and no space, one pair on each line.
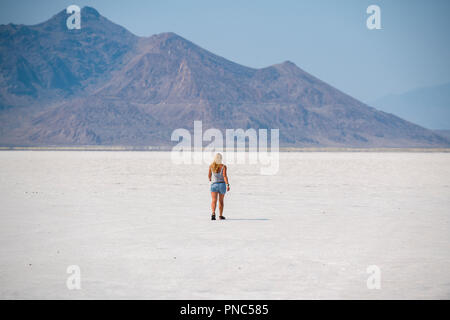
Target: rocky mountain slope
102,85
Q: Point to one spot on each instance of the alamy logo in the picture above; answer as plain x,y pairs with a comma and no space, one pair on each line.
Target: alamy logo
241,146
374,280
74,20
374,20
74,280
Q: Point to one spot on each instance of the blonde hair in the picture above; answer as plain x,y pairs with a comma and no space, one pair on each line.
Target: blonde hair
216,162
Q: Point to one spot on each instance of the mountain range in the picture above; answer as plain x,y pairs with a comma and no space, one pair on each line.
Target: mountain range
102,85
427,106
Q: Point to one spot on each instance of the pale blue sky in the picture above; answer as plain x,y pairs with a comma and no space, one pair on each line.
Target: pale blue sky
327,38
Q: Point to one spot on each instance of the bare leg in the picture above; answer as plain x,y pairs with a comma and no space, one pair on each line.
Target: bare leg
213,202
221,196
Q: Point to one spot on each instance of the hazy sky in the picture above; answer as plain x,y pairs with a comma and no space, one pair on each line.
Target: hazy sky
327,38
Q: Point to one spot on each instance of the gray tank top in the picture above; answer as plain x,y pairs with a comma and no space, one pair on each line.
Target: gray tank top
217,177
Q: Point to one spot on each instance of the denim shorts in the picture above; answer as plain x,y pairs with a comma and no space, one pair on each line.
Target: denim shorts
220,187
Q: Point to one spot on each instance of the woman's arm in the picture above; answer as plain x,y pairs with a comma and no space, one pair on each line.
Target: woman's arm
225,177
209,173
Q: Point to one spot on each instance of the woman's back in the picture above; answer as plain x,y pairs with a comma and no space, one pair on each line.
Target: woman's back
217,177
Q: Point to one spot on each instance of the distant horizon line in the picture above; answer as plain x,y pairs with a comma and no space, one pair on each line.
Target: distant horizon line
123,148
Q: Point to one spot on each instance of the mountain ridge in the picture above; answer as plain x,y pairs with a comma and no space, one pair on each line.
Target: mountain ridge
102,85
428,106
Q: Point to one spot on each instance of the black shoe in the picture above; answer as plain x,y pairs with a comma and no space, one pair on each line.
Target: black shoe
213,217
221,217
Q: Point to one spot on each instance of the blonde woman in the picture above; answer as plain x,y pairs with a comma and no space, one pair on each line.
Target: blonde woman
219,184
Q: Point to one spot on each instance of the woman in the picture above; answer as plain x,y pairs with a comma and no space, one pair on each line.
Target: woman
219,184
